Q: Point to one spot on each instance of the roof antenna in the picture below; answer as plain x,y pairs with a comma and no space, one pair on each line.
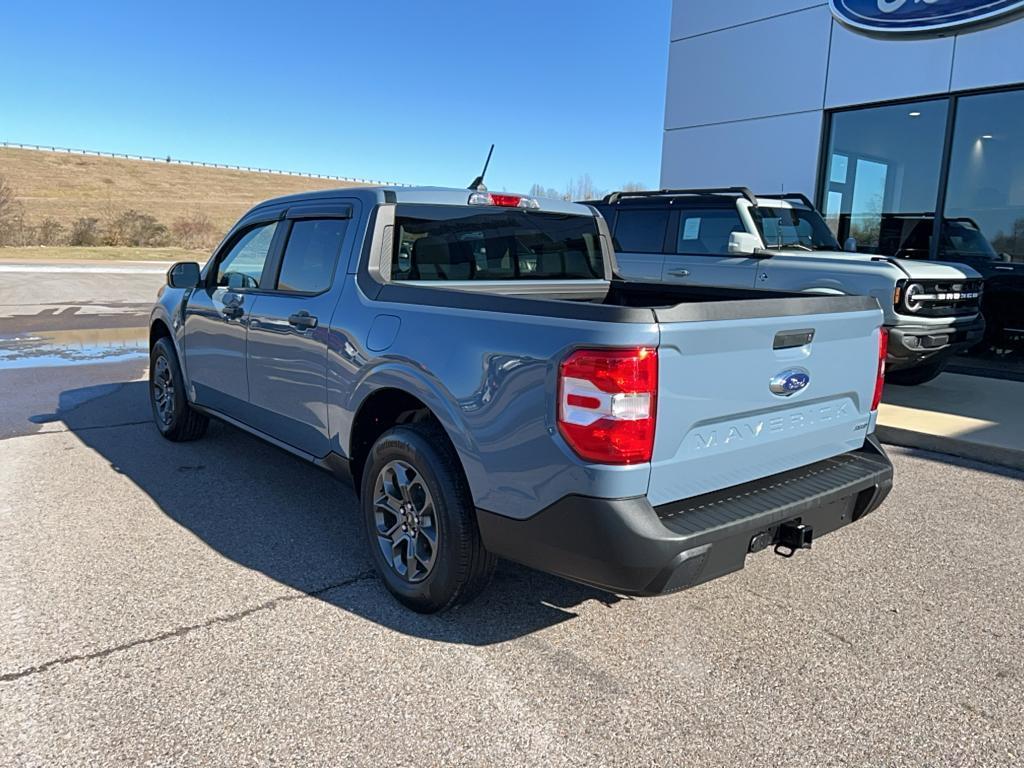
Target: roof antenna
478,182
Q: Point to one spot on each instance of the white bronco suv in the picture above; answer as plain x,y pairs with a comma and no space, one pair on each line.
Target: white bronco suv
732,238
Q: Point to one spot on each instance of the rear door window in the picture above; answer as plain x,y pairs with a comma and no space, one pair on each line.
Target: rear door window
311,255
452,243
706,231
641,231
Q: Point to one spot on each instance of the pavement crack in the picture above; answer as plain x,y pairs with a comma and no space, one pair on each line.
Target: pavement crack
187,629
840,638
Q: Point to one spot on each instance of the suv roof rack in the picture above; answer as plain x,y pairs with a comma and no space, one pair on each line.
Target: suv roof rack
614,197
791,196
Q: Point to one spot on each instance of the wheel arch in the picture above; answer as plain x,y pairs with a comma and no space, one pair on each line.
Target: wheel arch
398,396
159,329
162,328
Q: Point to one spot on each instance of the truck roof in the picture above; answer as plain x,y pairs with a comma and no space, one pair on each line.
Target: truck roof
701,196
378,195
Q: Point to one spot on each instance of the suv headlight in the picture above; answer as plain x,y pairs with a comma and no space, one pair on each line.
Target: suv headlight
914,289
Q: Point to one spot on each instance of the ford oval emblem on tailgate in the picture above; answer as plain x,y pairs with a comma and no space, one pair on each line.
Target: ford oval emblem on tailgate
789,382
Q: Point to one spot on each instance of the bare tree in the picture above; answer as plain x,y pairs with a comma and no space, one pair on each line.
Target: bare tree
136,229
194,231
581,188
539,190
633,186
9,212
49,232
85,231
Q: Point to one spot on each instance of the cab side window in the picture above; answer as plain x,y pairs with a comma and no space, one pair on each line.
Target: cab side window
242,267
311,255
707,231
641,231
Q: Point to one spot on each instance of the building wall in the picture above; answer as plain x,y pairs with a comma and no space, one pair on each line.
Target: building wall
749,81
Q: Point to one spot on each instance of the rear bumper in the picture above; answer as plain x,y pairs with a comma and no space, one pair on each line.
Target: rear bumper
911,345
628,546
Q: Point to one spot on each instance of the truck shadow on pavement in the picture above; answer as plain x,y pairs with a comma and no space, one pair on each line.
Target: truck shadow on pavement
272,512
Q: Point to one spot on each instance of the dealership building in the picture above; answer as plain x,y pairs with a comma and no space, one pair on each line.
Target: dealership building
902,119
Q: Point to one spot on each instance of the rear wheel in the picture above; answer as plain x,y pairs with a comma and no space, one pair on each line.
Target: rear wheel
921,374
174,417
420,520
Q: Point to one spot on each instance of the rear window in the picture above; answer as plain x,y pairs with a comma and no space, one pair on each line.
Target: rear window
454,243
641,231
311,255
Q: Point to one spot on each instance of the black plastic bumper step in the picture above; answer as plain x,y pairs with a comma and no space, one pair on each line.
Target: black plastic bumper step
779,497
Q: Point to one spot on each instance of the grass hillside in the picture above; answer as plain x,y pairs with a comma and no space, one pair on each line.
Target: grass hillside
66,187
99,253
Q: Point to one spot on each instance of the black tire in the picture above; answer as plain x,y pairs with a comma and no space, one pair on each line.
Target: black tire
459,567
921,374
172,414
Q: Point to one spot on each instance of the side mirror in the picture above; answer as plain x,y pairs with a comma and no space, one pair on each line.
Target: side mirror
184,274
850,246
744,244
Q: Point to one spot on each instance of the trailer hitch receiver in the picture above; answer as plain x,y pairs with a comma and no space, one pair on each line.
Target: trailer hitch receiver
793,536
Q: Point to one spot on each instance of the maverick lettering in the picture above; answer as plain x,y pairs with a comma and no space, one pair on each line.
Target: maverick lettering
746,431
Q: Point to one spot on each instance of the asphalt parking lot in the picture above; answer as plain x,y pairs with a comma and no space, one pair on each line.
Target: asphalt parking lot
213,604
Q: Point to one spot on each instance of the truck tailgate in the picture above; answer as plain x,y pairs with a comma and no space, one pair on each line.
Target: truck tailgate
719,423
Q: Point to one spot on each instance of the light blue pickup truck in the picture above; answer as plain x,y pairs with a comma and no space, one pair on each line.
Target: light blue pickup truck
467,361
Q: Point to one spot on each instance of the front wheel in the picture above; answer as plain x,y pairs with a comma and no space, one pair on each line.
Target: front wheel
174,417
921,374
420,520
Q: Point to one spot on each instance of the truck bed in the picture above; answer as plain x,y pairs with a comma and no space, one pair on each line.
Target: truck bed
618,301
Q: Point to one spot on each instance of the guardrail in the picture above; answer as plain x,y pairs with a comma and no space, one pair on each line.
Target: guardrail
196,163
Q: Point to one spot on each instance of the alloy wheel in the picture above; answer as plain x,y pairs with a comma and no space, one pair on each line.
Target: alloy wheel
405,521
163,390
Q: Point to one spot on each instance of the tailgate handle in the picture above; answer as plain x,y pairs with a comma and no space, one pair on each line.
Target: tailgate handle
790,339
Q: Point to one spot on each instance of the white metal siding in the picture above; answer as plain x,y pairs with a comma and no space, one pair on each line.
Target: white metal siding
865,69
748,81
768,155
709,83
698,18
990,57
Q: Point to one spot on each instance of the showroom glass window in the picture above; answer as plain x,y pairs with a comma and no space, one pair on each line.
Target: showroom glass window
882,176
984,216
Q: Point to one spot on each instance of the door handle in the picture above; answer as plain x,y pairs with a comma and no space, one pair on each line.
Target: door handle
232,311
302,320
679,272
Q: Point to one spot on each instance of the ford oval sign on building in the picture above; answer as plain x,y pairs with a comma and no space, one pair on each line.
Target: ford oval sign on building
921,17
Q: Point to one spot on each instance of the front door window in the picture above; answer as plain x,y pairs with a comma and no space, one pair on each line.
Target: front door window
242,266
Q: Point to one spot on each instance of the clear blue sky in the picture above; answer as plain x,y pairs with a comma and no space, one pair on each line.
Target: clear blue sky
392,89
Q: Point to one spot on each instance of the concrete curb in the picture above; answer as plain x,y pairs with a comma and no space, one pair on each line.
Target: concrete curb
966,449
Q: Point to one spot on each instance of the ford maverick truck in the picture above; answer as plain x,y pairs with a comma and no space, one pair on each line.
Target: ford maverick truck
467,361
731,237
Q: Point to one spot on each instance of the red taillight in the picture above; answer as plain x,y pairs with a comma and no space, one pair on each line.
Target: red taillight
607,402
883,352
506,201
